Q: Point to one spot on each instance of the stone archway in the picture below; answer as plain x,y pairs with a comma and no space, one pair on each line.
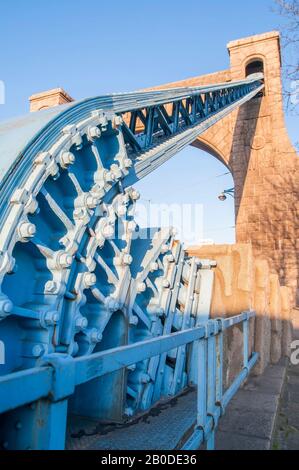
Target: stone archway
253,143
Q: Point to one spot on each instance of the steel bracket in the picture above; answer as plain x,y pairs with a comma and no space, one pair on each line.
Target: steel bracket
63,375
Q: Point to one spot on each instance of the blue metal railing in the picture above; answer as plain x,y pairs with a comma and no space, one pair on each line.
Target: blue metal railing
55,381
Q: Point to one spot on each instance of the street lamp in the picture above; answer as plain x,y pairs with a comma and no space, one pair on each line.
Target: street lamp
223,195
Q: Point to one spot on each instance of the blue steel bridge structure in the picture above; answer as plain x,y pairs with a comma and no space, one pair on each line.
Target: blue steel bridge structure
97,318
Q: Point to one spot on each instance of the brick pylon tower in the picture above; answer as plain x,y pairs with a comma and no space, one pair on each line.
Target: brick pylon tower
253,143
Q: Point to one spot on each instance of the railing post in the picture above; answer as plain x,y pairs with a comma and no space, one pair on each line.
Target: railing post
219,365
202,385
211,388
245,342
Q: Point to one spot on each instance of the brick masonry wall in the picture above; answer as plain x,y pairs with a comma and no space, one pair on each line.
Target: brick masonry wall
243,282
253,143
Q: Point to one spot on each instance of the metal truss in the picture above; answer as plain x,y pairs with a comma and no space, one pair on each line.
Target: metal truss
77,275
146,126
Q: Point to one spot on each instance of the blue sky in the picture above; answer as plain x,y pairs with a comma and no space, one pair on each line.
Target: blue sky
90,47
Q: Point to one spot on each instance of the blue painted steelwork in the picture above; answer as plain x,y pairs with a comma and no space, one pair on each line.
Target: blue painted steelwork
77,275
57,380
61,374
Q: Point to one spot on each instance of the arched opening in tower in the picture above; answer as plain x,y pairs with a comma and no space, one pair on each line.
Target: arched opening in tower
255,66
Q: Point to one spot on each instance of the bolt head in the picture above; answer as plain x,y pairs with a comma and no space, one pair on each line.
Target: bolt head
26,230
37,350
117,121
91,202
127,259
165,283
115,172
66,159
108,176
79,213
6,307
153,267
112,304
133,320
97,191
51,287
51,318
135,195
107,231
94,132
128,163
141,287
96,336
64,260
89,279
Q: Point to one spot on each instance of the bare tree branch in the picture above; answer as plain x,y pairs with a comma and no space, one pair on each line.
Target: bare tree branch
289,10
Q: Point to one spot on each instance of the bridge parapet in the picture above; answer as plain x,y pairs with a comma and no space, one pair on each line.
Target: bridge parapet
243,282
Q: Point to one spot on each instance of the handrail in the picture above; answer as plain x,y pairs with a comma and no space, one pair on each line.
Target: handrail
61,373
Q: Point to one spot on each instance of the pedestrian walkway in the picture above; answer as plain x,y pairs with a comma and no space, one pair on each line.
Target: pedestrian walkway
248,422
286,435
161,428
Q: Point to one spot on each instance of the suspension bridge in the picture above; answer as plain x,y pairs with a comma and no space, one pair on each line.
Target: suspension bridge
99,319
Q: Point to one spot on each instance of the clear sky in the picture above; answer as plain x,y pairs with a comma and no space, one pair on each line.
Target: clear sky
91,47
